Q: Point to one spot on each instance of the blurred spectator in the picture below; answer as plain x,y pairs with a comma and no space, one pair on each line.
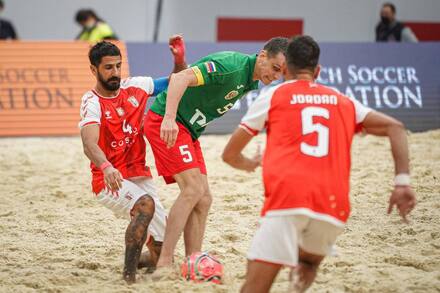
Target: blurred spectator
391,30
7,30
94,28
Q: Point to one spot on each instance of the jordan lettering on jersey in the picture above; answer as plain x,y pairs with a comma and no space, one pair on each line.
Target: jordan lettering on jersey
120,133
314,99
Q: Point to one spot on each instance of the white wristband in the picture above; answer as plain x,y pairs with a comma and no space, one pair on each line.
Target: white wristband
402,180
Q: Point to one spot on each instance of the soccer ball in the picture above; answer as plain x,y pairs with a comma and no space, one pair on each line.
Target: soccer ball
202,267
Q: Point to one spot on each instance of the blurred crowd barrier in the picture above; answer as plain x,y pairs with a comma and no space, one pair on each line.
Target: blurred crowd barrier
41,85
399,79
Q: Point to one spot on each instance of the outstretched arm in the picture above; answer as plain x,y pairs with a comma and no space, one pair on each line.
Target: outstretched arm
90,136
380,124
177,48
232,154
253,121
179,82
160,84
403,197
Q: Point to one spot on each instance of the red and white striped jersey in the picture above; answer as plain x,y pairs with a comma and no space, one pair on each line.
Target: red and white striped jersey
306,164
120,119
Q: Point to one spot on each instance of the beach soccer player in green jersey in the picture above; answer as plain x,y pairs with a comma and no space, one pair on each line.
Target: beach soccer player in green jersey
178,116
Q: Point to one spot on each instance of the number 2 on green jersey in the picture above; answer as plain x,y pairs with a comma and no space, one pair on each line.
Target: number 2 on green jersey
198,117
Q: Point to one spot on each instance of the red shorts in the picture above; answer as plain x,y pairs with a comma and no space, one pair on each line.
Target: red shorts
184,155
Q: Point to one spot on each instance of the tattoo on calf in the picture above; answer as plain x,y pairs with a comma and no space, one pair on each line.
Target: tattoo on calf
135,237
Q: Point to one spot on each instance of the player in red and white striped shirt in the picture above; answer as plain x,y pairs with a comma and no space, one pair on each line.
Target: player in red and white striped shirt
112,133
306,168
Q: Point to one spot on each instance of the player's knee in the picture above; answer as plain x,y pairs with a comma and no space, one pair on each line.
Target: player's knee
144,205
193,193
251,285
226,157
206,201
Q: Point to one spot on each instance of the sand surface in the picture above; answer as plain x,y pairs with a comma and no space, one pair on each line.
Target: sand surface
54,237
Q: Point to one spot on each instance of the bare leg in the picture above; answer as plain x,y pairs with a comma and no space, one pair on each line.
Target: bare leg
259,277
136,235
303,275
191,191
149,258
195,227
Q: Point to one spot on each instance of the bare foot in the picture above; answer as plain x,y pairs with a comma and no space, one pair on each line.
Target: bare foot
129,277
145,261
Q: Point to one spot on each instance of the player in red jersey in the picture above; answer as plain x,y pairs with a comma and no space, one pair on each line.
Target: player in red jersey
112,135
306,168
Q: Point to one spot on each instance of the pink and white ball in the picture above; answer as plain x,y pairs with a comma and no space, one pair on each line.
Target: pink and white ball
202,267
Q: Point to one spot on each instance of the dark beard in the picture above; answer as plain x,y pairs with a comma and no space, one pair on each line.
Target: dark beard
112,84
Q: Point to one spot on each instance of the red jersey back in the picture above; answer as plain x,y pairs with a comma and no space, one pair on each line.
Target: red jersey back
121,127
306,164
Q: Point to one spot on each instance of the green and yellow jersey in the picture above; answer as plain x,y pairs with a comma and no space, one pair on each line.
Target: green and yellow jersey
222,78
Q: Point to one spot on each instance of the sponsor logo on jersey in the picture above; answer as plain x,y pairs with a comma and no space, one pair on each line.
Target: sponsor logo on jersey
225,108
210,67
128,196
88,98
108,114
133,101
129,130
120,111
126,141
126,127
231,95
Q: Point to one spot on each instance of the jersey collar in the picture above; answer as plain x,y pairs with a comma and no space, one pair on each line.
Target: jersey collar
252,61
108,98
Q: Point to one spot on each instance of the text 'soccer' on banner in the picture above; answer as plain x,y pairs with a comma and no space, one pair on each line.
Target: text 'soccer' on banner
41,85
402,80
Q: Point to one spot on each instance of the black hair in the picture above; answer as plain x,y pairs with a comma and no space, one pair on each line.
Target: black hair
302,53
276,45
102,49
391,6
83,14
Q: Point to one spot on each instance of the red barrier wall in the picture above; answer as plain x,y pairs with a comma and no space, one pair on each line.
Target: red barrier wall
256,29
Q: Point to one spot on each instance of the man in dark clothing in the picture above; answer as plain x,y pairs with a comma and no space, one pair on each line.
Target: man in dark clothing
391,30
6,28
